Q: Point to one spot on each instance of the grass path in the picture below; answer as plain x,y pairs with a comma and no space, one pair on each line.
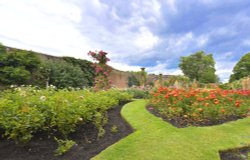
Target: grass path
155,139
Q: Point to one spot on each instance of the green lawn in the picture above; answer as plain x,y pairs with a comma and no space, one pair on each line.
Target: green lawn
155,139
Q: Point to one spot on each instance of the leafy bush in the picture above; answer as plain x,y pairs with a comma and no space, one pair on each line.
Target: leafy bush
63,146
138,93
133,81
62,74
17,66
86,67
26,110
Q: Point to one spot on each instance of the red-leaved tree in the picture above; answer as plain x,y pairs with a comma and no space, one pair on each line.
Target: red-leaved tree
102,81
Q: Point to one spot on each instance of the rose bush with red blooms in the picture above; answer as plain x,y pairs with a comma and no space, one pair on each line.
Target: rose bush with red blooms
102,81
201,105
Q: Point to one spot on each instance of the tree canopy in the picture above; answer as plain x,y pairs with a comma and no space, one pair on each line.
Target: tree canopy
200,67
87,68
62,74
16,66
241,69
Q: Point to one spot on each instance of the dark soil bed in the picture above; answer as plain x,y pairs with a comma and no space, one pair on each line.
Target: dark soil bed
42,148
235,154
179,122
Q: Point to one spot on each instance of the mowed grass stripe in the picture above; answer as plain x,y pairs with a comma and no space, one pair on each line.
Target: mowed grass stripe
155,139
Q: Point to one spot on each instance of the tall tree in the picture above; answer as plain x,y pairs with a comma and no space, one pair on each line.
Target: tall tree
241,69
17,66
200,67
62,74
86,67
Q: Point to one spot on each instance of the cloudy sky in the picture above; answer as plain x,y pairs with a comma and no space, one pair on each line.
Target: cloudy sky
135,33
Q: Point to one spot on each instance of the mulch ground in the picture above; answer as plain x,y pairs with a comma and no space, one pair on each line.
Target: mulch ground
179,122
235,154
42,147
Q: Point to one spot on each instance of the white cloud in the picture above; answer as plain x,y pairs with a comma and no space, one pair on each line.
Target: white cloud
157,69
246,42
124,67
224,69
172,6
58,8
163,69
144,7
145,40
202,40
72,28
177,44
41,25
180,43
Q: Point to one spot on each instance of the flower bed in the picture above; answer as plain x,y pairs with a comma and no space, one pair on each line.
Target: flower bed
26,110
200,106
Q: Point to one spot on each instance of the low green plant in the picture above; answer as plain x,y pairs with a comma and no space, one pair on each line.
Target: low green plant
114,129
63,146
138,93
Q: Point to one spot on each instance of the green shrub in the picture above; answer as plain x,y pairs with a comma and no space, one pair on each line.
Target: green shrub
25,110
63,146
138,93
114,129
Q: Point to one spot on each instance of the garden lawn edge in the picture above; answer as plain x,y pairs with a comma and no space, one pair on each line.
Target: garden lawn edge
156,139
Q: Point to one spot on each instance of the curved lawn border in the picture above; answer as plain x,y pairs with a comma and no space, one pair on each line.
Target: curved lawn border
155,139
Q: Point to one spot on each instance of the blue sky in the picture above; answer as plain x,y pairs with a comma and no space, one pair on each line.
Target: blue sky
135,33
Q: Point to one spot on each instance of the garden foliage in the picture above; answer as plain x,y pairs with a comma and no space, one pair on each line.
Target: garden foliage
102,70
138,93
200,67
201,105
241,69
25,111
21,67
62,74
86,67
17,66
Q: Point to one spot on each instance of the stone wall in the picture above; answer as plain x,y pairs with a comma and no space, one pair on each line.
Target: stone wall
119,79
246,83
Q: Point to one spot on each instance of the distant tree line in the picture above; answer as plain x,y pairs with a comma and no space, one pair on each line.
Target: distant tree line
201,67
18,67
241,69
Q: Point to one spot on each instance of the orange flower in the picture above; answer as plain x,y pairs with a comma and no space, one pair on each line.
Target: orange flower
200,109
212,95
166,96
237,103
222,110
216,101
194,114
206,104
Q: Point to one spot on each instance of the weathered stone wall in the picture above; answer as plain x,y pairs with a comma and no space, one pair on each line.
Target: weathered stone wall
246,83
119,79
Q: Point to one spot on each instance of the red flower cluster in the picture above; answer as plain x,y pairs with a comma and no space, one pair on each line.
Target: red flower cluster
102,70
99,56
201,104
